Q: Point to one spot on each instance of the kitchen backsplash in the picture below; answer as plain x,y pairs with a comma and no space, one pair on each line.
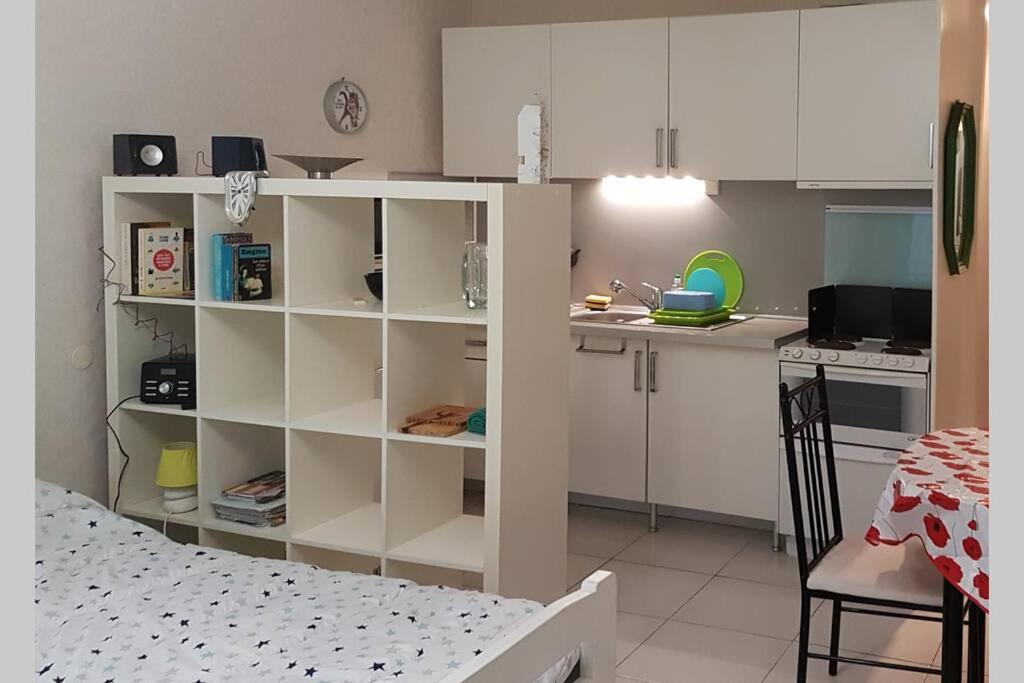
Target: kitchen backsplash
775,231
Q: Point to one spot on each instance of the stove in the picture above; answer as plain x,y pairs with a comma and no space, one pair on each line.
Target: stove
880,354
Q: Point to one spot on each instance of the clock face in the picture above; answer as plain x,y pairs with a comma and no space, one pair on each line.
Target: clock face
345,106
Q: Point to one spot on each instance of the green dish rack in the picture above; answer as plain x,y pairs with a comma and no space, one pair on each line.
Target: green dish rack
689,319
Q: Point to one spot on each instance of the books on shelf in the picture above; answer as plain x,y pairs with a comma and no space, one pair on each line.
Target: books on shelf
252,272
156,259
241,269
259,502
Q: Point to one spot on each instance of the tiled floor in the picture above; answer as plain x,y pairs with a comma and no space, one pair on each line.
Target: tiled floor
707,602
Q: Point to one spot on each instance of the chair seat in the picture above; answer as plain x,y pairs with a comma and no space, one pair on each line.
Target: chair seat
884,572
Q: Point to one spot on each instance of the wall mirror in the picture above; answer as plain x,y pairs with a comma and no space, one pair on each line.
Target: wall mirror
958,187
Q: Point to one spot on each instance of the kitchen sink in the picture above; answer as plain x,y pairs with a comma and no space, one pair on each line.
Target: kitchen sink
608,317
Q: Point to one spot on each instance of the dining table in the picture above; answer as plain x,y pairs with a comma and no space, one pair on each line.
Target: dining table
937,499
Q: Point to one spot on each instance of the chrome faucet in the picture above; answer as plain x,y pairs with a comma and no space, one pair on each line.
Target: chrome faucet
653,304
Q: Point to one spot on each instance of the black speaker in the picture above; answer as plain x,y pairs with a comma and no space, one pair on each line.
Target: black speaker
233,153
138,154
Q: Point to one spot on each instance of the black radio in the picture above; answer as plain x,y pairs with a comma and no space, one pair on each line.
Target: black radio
169,380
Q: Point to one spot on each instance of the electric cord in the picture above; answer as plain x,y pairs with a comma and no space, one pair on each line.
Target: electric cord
202,157
166,518
120,447
151,323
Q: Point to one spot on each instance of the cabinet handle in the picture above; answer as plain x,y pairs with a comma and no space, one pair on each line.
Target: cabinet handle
637,380
658,135
617,352
931,145
652,372
672,133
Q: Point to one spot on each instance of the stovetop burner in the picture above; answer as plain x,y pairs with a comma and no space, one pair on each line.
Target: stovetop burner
837,344
909,344
902,351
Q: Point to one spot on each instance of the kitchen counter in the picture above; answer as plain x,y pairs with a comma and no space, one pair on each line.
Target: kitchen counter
757,331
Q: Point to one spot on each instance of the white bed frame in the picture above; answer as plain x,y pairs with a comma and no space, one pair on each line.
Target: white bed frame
585,619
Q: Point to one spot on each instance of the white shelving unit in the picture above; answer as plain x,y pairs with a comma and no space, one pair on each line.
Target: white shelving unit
316,383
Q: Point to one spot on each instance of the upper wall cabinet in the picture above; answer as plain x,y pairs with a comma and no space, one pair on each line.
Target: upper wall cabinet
733,96
868,95
609,98
488,75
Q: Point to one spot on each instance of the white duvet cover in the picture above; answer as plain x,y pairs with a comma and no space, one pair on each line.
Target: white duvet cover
117,601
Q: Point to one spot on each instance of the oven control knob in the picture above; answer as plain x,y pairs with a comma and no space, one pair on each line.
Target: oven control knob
862,358
908,362
814,355
833,356
876,360
797,353
894,361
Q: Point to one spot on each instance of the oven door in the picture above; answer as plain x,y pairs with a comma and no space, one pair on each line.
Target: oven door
872,408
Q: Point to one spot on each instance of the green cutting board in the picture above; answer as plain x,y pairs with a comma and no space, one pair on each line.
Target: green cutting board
727,269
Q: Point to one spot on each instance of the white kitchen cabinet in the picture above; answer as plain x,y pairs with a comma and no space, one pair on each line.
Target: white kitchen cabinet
489,74
868,95
733,96
713,429
609,98
608,417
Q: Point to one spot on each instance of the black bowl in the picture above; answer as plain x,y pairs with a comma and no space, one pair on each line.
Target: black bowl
375,283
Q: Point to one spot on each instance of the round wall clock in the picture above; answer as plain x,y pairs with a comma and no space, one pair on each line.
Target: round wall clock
345,106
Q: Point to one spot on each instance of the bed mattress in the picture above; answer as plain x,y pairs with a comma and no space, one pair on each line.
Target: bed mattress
117,601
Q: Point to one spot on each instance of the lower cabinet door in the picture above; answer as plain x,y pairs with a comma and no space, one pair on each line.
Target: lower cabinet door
713,429
608,417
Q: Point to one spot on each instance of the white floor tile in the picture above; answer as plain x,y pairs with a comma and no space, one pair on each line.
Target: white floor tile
756,608
579,567
603,533
758,562
913,641
653,591
693,546
686,652
631,631
817,671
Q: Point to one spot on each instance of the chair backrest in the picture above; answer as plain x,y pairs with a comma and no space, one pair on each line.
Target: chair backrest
811,465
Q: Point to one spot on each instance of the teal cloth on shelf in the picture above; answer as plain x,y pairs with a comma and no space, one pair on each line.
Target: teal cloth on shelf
477,422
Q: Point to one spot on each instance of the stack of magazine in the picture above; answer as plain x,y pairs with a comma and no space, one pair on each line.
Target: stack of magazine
257,502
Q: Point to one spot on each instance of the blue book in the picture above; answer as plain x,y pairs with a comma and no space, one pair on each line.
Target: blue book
222,255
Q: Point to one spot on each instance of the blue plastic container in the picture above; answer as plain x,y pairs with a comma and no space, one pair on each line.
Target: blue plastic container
688,300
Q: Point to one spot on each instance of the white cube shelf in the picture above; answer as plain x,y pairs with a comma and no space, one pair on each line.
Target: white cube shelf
143,435
242,365
318,380
334,492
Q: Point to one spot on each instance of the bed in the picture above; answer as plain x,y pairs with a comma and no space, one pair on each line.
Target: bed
117,601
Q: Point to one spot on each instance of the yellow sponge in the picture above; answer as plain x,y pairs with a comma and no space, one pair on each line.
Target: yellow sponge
597,302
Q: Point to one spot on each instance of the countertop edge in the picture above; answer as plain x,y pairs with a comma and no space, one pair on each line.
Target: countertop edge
732,336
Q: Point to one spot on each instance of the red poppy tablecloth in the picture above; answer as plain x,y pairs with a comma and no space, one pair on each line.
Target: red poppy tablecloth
938,492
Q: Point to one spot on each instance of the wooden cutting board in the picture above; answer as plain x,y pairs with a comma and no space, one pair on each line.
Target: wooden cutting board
442,420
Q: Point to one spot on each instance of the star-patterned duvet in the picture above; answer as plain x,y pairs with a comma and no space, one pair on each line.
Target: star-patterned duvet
117,601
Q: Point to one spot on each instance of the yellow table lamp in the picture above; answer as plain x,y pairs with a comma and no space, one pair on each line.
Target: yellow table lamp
177,473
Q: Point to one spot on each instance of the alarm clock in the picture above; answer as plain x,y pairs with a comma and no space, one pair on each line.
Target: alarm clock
169,380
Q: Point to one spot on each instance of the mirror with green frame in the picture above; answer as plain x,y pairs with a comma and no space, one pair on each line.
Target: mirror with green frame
958,187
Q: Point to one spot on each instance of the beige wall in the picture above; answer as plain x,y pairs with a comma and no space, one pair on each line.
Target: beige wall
501,12
961,315
192,69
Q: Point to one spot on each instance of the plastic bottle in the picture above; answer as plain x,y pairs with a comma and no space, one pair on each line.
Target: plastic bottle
677,284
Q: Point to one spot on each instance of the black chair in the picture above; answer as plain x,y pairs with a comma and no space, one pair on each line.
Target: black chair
856,576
